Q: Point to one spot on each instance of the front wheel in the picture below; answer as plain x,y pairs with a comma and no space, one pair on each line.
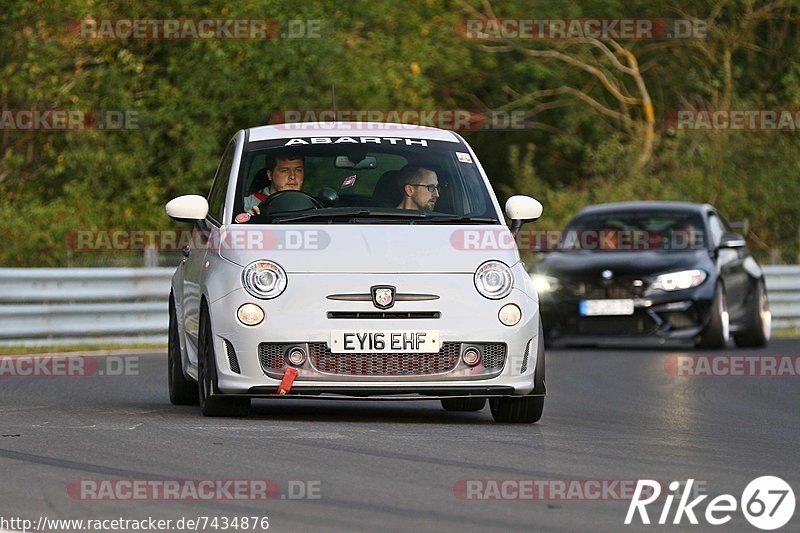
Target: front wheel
759,327
717,332
525,410
212,403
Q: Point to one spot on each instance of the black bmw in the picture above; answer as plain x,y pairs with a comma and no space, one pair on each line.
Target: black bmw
672,270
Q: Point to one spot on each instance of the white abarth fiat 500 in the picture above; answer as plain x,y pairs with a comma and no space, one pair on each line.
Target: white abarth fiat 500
357,261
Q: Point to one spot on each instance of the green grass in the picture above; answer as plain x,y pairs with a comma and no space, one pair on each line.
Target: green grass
58,348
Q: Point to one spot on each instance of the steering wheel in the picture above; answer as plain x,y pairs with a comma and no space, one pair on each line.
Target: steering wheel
288,201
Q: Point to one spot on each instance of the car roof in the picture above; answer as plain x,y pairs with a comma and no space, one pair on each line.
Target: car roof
645,206
350,129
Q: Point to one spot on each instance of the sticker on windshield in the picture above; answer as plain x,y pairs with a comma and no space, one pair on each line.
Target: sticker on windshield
464,157
349,181
241,218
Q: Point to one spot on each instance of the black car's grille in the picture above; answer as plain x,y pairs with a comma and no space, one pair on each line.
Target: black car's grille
385,364
599,291
636,324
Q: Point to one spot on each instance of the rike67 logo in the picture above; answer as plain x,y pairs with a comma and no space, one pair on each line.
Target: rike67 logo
767,502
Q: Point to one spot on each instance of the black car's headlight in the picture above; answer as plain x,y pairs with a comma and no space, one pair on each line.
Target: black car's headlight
675,281
494,280
264,279
544,284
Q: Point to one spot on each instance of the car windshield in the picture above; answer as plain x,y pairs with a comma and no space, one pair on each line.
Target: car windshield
634,231
404,181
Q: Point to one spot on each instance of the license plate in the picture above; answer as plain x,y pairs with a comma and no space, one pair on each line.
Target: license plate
386,341
606,307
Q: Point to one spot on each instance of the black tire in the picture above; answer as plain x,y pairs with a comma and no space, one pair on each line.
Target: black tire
464,404
212,403
524,410
181,390
717,333
759,321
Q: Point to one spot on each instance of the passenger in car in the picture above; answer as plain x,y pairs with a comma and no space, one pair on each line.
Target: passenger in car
420,188
286,172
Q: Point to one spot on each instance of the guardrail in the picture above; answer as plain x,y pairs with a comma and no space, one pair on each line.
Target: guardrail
783,287
48,306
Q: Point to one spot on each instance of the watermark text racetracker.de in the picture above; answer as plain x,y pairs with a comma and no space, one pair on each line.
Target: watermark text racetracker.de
576,239
67,366
237,238
401,119
686,366
210,29
559,29
66,120
551,489
193,489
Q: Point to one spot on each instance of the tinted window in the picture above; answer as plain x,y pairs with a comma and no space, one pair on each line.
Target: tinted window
216,198
634,231
369,177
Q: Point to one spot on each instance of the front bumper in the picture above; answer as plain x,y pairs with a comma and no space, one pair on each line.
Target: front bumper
680,316
301,317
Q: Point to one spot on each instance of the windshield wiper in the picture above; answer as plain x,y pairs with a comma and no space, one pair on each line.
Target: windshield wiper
348,213
461,219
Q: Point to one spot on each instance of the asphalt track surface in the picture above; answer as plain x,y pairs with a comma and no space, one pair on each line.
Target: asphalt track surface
611,414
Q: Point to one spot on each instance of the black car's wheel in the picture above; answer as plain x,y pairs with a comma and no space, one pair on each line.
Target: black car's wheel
717,332
759,321
211,402
464,404
181,390
526,410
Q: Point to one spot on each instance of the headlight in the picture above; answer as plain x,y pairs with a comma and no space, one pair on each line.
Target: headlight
494,280
264,279
544,283
675,281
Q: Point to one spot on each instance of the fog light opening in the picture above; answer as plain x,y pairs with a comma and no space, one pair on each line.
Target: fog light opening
296,357
471,356
250,314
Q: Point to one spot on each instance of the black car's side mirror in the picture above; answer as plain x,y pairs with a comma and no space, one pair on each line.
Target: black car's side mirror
731,240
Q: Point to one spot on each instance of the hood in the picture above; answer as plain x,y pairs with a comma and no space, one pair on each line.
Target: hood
374,248
582,265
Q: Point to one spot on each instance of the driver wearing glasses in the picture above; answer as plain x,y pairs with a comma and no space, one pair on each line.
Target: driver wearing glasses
420,188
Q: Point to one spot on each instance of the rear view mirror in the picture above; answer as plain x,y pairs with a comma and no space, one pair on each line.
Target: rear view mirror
343,161
732,240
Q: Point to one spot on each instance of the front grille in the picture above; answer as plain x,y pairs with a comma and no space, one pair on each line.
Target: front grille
617,290
384,314
636,324
273,360
494,356
271,356
385,364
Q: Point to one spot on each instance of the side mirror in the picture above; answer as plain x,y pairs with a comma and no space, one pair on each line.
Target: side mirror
732,240
190,208
521,209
